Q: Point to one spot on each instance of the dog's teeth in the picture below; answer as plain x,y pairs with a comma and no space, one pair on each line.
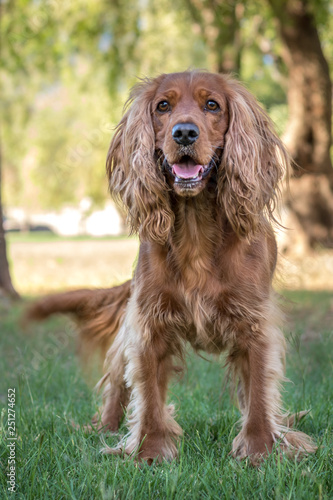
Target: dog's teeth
188,179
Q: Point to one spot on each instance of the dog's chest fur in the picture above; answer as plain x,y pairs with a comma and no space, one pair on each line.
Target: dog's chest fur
194,295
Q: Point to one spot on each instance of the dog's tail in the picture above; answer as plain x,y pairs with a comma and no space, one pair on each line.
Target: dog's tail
98,313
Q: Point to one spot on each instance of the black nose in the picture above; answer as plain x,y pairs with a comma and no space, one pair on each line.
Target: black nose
185,133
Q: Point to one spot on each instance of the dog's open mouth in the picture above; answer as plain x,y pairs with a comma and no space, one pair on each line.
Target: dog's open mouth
188,171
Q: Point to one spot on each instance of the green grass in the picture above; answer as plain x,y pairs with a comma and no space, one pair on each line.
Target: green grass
54,461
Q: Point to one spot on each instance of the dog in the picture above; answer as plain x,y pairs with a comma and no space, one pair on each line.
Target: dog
196,163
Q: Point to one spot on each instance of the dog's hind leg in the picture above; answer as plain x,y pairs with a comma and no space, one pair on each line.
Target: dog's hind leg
115,393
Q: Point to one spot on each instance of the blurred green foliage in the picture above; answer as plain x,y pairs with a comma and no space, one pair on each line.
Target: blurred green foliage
66,69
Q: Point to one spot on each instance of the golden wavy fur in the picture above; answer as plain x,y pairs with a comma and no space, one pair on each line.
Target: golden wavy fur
196,163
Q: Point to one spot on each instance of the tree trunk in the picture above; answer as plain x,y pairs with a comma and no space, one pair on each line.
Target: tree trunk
6,284
219,26
308,134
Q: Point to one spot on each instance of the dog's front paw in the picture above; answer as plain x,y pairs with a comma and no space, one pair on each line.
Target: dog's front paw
254,447
150,448
157,447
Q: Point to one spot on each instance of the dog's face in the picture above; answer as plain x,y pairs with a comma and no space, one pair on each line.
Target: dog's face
177,131
190,119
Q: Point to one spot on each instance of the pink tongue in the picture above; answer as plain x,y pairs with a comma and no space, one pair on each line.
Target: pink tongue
186,170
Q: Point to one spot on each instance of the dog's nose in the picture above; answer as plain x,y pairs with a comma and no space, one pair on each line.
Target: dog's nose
185,133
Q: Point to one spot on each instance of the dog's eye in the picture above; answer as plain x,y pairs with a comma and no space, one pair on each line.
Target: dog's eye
163,106
212,105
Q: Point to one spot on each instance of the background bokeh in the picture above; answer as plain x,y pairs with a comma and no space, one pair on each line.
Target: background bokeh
66,70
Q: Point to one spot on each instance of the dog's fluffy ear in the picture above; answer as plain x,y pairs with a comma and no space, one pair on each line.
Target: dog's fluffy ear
134,175
254,160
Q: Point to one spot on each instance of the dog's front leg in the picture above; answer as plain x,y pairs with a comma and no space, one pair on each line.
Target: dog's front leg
153,430
259,366
151,422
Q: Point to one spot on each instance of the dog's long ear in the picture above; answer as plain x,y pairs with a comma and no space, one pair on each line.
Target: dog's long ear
253,162
134,175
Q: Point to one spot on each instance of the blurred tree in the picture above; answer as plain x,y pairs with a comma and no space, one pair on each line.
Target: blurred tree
6,284
62,62
66,71
309,133
218,23
57,116
236,32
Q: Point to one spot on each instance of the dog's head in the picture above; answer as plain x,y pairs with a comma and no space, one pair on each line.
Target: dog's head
190,119
182,130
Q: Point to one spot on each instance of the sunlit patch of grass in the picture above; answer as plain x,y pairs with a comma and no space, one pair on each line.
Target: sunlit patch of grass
49,236
56,264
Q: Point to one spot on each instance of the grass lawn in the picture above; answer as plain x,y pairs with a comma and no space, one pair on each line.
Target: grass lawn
55,461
